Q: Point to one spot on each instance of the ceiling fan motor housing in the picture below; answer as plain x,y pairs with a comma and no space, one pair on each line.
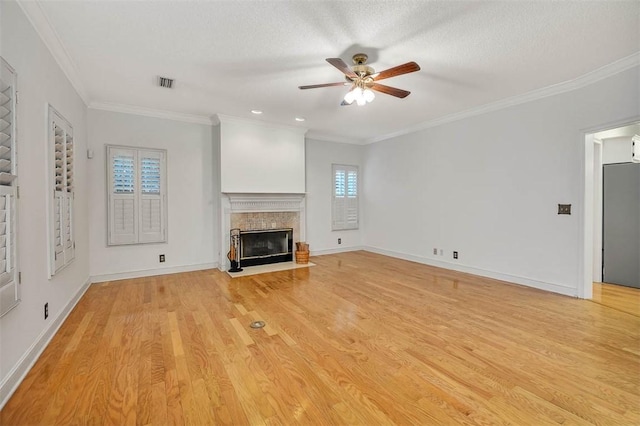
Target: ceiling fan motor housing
363,70
360,59
360,67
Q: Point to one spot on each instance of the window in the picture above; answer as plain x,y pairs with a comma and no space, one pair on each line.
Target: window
345,197
9,277
62,244
137,195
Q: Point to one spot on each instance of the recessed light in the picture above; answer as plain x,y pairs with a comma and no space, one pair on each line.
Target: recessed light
300,118
256,111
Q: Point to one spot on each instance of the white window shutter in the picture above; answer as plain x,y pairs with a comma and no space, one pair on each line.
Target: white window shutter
58,231
123,223
9,282
58,201
61,220
151,219
69,200
339,219
137,195
352,200
345,197
338,216
69,242
9,286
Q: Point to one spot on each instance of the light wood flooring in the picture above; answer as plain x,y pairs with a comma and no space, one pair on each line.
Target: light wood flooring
625,299
358,339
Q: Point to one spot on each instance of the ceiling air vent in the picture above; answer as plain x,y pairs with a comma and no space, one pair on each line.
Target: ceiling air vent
165,82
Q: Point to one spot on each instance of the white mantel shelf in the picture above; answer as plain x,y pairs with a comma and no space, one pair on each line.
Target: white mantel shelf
265,202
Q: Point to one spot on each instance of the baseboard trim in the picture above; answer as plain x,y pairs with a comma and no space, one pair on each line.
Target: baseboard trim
26,362
335,250
515,279
152,272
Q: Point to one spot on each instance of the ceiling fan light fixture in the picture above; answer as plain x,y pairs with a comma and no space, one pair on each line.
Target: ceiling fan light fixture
350,96
368,95
360,96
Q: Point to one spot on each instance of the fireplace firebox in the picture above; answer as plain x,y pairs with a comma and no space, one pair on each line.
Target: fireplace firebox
264,246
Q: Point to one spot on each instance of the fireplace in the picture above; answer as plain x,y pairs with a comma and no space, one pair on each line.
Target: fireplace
261,212
260,247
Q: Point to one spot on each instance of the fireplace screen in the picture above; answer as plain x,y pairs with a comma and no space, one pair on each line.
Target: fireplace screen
266,246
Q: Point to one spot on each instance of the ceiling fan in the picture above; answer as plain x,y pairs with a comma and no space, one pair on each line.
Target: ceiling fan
364,80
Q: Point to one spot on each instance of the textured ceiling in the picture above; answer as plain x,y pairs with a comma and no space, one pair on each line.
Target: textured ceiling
229,57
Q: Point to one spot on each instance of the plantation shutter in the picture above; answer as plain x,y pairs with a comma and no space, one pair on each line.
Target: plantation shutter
62,245
69,242
351,207
9,282
344,214
122,196
151,197
137,195
338,216
58,201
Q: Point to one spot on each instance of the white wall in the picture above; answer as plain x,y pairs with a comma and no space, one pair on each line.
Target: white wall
261,158
488,186
191,179
320,156
617,150
24,331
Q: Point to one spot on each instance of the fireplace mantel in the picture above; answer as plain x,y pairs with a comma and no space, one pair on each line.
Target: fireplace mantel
232,203
243,203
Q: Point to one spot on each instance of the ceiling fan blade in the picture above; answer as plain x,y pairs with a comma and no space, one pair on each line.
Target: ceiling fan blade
398,93
339,63
395,71
345,103
315,86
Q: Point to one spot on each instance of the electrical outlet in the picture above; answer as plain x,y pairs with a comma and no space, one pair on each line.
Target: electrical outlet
455,254
441,252
435,251
46,310
161,258
339,240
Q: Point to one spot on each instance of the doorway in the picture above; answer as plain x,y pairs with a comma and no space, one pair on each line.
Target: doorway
612,146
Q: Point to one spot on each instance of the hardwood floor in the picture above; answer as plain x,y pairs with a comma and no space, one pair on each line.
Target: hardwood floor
625,299
358,339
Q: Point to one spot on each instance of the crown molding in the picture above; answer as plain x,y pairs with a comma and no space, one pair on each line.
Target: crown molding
222,118
42,25
334,138
150,112
592,77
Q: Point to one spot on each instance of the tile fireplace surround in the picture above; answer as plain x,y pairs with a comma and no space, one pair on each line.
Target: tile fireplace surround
260,211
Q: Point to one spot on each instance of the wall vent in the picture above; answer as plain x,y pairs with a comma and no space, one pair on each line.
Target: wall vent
165,82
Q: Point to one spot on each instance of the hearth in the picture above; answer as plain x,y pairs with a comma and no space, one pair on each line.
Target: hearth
261,247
